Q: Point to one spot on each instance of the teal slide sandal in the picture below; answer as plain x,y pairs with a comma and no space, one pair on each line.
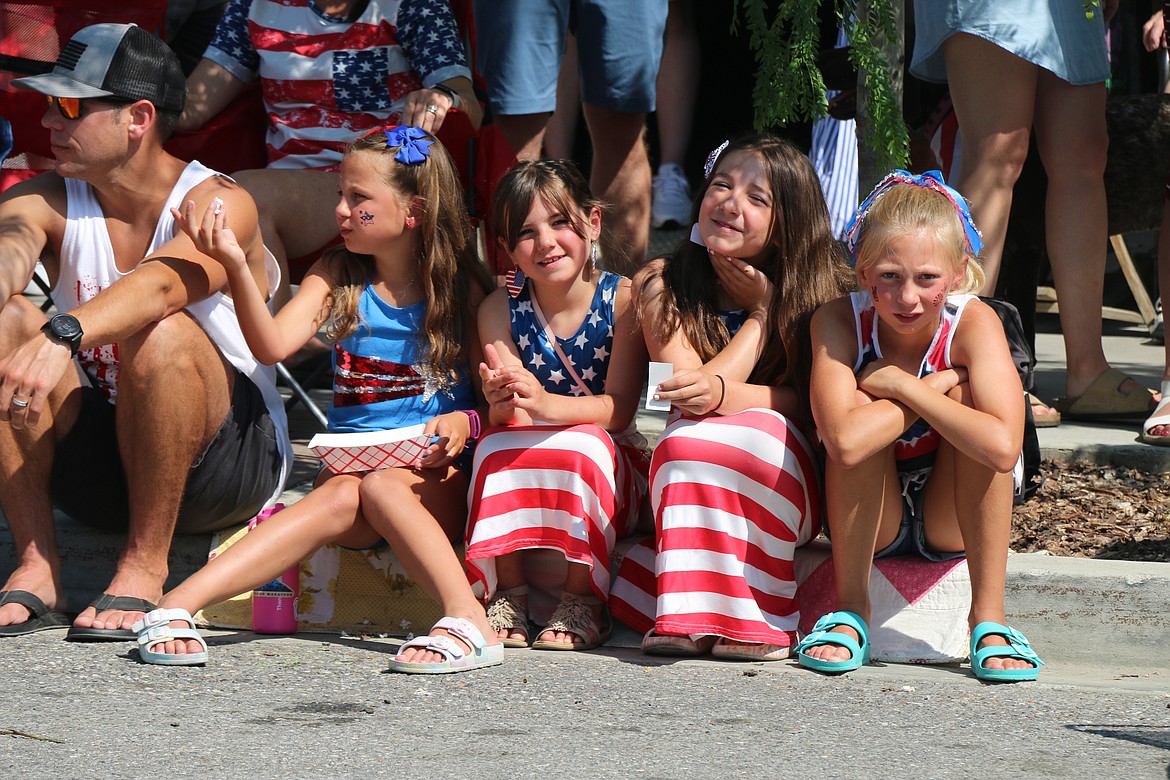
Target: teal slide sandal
1017,647
821,635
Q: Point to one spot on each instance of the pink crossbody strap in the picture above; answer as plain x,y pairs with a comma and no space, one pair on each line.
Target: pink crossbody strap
556,345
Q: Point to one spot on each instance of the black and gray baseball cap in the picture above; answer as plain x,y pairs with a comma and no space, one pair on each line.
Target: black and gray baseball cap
114,60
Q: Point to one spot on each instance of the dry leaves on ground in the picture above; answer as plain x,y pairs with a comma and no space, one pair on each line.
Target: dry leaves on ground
1090,511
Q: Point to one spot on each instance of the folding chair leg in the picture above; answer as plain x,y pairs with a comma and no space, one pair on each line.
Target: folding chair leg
1140,296
300,394
43,285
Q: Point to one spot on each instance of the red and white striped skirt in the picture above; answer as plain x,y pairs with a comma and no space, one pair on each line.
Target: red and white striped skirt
733,498
567,488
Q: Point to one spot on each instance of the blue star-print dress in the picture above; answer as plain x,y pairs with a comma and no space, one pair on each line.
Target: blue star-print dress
588,349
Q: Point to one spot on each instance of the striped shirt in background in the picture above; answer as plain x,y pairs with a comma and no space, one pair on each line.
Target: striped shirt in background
833,153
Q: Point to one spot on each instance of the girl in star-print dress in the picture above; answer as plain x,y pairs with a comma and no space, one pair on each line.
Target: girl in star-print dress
564,468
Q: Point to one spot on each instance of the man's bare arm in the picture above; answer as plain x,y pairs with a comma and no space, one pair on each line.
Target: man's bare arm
210,88
26,216
175,276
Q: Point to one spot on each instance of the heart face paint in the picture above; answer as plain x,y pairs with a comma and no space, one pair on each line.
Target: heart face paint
909,283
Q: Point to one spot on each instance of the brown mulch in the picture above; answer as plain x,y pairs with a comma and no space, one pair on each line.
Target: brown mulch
1090,511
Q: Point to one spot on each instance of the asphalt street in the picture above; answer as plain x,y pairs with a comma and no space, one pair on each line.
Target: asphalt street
325,706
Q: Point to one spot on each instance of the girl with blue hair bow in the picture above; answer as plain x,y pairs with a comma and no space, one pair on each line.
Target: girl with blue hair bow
921,412
398,301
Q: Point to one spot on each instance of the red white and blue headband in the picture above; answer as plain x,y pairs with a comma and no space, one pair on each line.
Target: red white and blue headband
931,180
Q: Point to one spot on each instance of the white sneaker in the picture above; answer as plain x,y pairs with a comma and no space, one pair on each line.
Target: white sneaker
671,203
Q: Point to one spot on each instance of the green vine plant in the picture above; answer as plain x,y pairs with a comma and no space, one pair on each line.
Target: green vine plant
785,37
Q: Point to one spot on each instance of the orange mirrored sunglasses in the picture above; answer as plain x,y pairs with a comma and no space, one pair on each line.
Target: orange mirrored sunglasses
70,108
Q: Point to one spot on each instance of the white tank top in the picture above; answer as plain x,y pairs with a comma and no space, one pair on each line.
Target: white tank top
87,266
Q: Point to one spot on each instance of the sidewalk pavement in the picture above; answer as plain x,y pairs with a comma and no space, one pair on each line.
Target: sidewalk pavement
1078,612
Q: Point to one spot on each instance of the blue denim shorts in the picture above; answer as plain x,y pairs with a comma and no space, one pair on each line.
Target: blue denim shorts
520,44
911,537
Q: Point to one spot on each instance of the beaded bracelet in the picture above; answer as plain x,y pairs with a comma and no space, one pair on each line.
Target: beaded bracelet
722,393
473,420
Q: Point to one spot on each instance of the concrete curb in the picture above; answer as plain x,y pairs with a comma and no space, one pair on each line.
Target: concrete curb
1086,612
1143,457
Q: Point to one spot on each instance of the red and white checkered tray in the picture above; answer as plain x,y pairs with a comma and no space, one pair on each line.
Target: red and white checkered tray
345,453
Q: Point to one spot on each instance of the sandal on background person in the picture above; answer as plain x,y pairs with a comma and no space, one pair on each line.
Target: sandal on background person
1105,401
754,651
1161,416
508,611
1041,418
574,615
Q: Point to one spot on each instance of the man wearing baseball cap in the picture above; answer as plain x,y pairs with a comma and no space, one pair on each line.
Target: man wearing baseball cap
138,405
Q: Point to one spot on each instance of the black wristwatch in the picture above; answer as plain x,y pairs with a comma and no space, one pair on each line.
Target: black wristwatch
66,329
449,93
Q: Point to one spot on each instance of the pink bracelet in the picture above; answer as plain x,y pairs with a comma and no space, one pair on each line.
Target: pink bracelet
473,419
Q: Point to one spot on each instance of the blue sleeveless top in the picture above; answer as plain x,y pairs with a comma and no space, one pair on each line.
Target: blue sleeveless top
379,378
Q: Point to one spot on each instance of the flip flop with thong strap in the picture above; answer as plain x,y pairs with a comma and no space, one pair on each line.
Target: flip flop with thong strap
105,603
41,619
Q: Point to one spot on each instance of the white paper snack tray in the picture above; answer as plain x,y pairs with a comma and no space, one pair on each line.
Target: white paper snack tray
345,453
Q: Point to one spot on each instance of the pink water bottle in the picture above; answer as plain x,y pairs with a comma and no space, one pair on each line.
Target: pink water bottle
274,606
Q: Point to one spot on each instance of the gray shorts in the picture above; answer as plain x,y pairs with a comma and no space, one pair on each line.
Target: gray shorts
226,485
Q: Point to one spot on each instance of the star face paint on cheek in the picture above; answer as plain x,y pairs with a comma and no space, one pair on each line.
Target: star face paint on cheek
366,218
938,299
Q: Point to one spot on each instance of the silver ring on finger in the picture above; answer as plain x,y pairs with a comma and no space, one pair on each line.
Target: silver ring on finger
433,109
20,403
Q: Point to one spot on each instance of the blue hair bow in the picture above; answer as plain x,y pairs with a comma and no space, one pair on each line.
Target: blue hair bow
413,143
931,180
